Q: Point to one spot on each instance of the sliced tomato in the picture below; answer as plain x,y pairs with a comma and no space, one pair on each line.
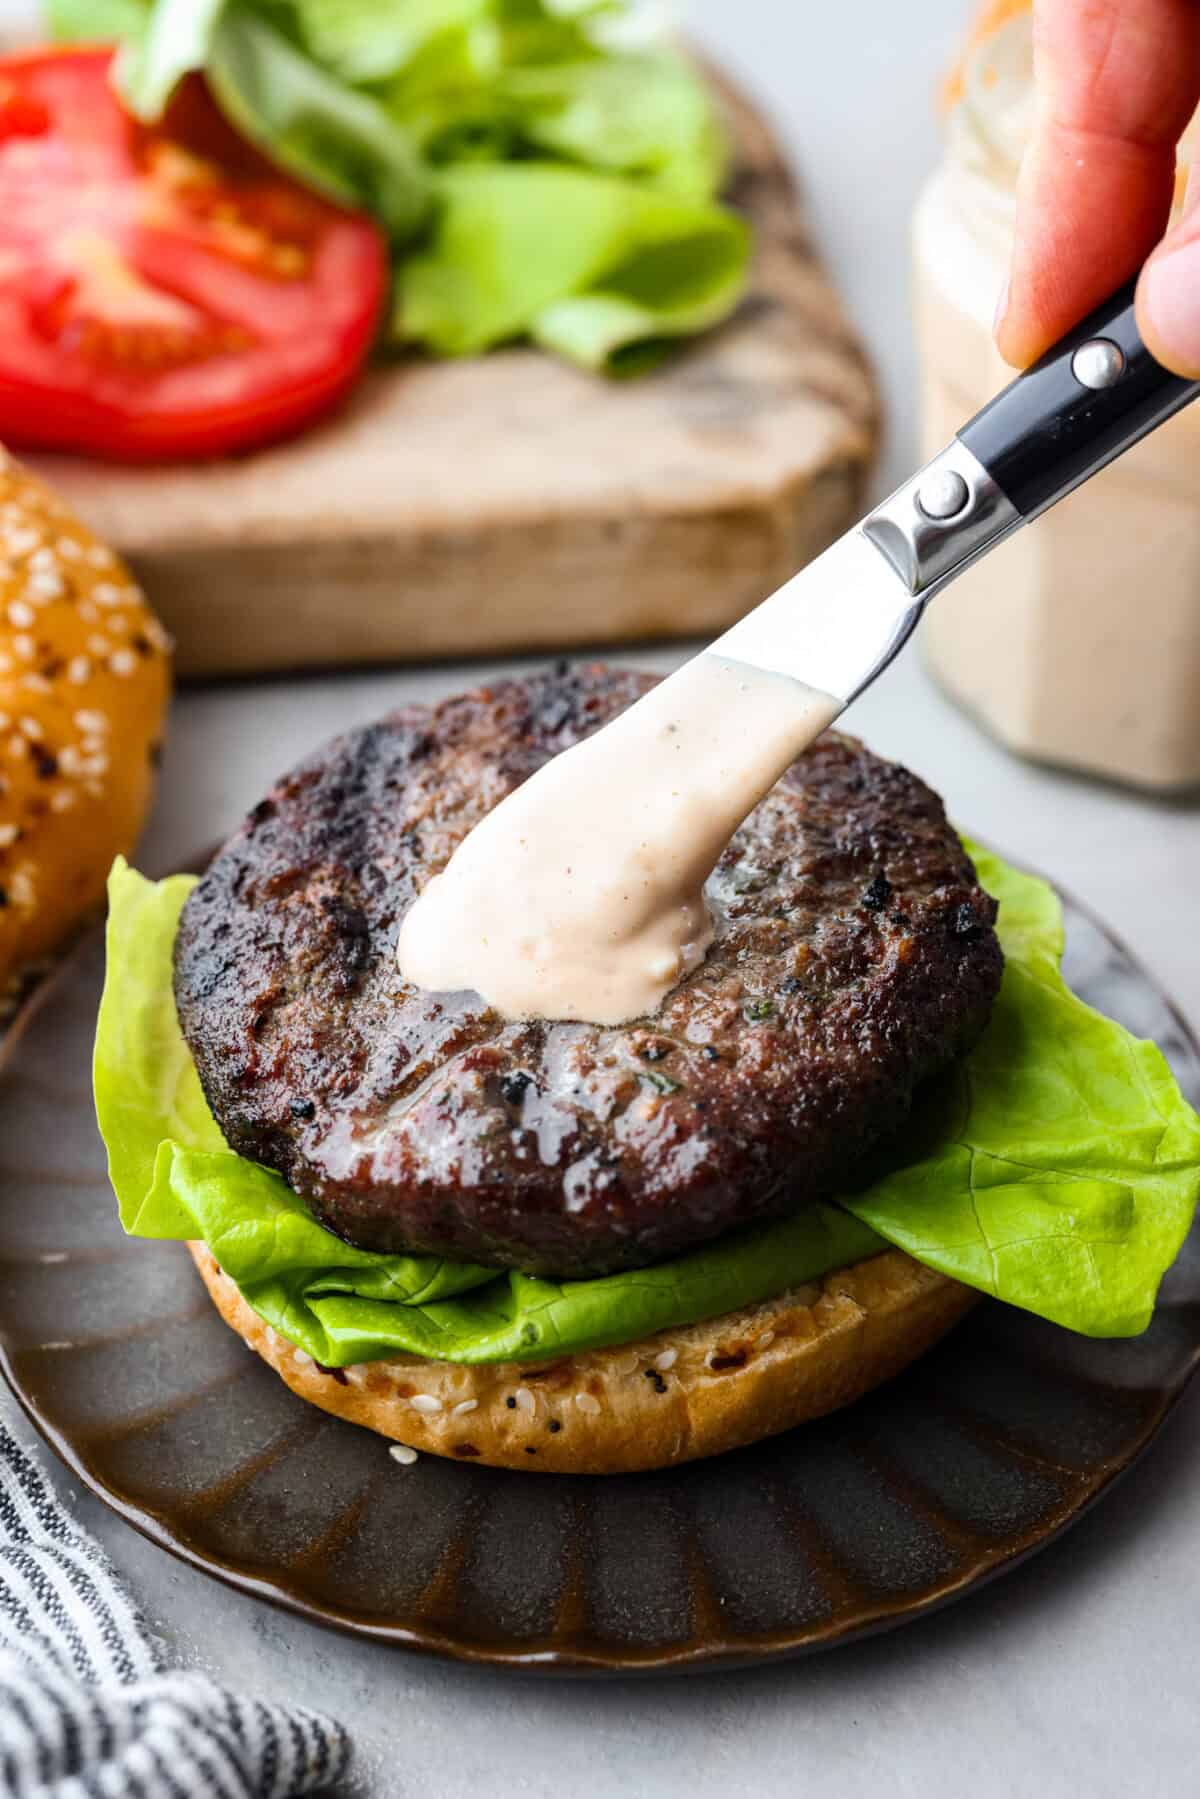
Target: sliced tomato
164,292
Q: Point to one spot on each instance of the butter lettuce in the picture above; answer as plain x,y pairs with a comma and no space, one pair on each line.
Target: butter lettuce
1057,1168
537,180
633,114
334,138
95,21
586,264
368,40
173,39
1060,1164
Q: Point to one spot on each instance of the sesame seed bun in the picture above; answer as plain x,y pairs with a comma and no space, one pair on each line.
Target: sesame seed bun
674,1397
84,681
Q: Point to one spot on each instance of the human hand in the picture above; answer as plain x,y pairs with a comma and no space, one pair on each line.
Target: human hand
1117,82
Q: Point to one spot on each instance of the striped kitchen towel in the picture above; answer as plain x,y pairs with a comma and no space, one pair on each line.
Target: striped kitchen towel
87,1709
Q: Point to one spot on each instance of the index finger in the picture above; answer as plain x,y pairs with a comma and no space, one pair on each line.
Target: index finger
1117,82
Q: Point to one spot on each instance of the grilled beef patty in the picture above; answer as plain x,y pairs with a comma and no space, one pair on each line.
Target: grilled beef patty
854,957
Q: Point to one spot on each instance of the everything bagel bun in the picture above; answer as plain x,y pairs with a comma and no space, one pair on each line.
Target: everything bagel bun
84,681
674,1397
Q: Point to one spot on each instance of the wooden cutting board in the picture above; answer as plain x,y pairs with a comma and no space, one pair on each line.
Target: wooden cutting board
510,502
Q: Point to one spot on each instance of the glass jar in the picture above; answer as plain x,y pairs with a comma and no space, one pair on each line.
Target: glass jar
1078,642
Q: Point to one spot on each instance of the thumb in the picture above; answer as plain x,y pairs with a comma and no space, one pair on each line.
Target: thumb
1169,291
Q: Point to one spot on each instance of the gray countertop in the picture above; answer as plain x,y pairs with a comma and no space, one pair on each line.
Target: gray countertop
1072,1675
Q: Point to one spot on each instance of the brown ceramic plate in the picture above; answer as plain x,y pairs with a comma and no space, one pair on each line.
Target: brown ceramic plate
983,1452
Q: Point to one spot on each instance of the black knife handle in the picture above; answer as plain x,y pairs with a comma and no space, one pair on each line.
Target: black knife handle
1049,430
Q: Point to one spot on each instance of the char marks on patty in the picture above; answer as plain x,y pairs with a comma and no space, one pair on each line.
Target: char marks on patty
854,958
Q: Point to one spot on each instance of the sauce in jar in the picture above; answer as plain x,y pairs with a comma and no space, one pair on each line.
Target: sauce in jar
1078,642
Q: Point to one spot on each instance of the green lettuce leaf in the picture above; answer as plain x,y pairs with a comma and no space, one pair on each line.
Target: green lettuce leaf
368,40
328,134
644,115
96,21
175,1178
344,1305
1058,1169
584,263
175,39
333,137
536,181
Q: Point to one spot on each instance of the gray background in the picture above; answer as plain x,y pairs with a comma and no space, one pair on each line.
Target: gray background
1077,1673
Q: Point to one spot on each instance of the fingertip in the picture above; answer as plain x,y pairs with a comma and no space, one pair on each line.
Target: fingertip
1014,340
1020,329
1168,307
1001,312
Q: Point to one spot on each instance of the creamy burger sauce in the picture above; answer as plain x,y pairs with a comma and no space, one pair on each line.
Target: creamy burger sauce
582,895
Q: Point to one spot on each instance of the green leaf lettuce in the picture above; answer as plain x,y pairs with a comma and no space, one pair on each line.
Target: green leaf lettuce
1057,1168
586,264
174,39
95,21
535,182
1060,1163
332,137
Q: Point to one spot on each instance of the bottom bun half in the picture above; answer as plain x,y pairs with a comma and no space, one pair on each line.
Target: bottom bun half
696,1391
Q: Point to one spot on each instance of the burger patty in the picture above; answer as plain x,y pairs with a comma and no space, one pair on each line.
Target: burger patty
854,958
